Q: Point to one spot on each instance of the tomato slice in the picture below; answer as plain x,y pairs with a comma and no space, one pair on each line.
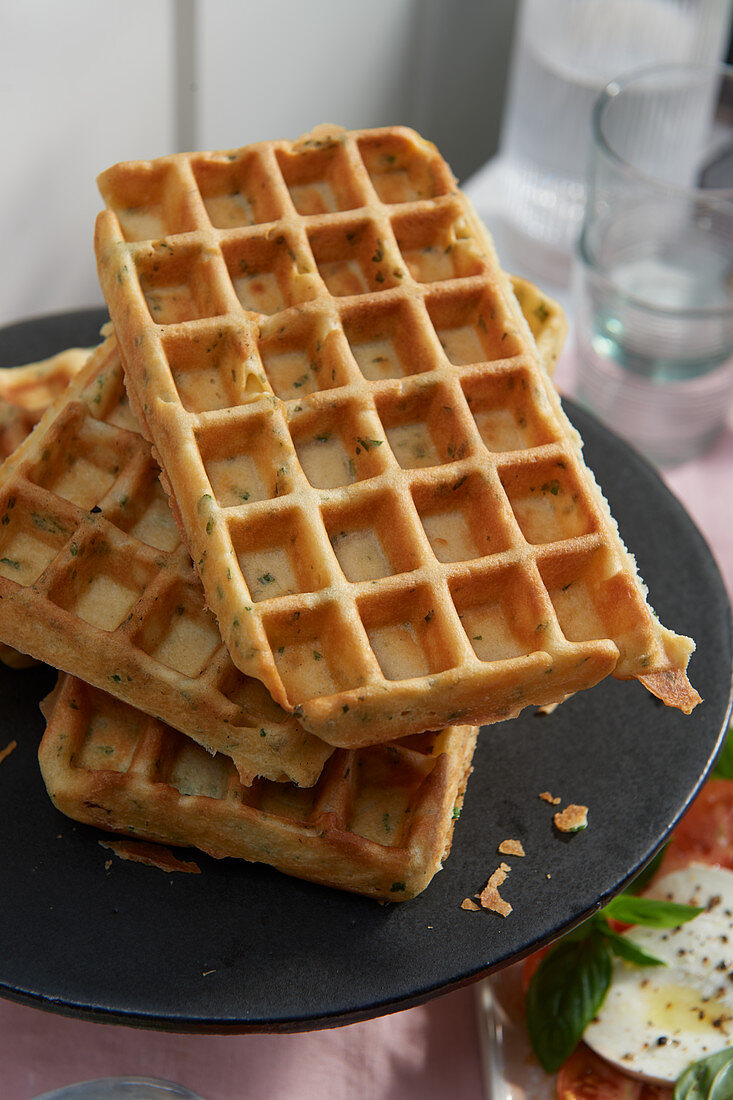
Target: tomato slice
585,1076
705,833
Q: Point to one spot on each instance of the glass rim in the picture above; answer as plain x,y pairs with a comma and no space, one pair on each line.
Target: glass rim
622,83
585,257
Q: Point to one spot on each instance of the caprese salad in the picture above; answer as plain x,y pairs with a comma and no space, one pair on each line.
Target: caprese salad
637,1003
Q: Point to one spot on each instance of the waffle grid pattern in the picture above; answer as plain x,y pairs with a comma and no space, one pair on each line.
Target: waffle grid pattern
25,393
384,500
94,579
379,820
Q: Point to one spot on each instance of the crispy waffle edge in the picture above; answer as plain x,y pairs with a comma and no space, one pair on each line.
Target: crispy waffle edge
115,769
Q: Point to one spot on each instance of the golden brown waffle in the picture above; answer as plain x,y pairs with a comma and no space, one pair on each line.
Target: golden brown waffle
13,658
94,580
387,507
379,821
546,320
25,392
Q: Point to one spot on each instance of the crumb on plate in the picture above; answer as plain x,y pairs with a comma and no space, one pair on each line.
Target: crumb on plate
490,897
152,855
511,848
572,819
10,747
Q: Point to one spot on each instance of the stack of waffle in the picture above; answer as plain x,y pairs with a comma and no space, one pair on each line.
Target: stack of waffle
312,501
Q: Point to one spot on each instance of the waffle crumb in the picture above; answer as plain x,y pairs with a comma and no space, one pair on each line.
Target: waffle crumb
470,905
10,747
547,797
572,819
490,897
511,848
152,855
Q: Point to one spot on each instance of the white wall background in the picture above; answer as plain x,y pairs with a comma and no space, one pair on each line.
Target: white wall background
80,87
349,63
85,83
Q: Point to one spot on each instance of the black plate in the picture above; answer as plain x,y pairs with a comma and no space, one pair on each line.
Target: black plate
241,947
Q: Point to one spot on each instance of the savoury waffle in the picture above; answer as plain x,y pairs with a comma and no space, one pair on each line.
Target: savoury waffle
94,580
379,821
25,393
546,320
386,504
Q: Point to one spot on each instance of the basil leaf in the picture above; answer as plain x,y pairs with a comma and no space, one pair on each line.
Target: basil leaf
649,912
564,995
594,923
723,768
709,1079
627,949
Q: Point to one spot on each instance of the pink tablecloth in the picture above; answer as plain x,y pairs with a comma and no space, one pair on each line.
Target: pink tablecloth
430,1052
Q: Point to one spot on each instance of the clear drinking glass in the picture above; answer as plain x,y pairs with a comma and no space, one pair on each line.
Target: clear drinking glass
654,272
122,1088
564,53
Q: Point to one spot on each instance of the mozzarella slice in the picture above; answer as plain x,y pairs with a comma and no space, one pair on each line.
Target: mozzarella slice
656,1020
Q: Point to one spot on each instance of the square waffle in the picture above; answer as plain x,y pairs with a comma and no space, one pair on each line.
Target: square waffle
27,391
379,821
546,320
385,502
94,580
